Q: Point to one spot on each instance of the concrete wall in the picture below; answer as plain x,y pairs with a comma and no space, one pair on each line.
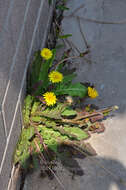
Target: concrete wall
23,29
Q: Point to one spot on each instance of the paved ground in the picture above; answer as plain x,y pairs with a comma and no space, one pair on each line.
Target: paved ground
108,71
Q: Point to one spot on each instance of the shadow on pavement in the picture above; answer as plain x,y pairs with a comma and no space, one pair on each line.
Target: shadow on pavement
77,172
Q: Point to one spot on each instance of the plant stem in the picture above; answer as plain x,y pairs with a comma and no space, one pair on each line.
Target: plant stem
97,21
66,59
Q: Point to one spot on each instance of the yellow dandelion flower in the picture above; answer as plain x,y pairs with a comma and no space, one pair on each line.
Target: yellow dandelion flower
87,119
55,76
92,92
46,53
50,98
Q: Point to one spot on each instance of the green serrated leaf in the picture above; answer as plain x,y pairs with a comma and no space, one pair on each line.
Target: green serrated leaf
21,153
43,74
65,36
72,90
59,67
27,109
69,78
35,161
61,7
69,112
80,134
59,46
50,2
34,107
24,161
36,119
51,137
29,132
53,147
53,57
34,71
54,113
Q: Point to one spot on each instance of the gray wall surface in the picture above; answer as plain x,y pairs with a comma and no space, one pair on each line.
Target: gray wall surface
23,29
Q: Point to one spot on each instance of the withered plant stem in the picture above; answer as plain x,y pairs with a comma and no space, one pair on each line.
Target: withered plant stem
97,21
66,59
